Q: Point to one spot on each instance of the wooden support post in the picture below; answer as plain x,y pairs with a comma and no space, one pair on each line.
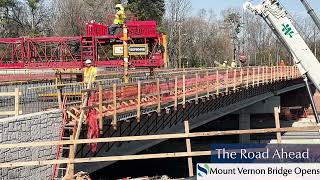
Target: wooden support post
258,79
175,93
184,90
70,166
234,79
114,120
100,108
285,72
226,80
59,94
263,75
197,88
277,122
139,102
217,83
16,102
253,73
277,73
208,89
271,74
241,76
189,150
247,85
158,96
281,71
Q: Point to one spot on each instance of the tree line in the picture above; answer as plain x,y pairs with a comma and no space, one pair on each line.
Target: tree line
194,39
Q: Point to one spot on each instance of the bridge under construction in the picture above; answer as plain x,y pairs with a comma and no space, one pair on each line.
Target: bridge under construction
107,106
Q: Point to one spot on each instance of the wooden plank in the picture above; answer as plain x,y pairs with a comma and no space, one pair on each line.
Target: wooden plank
7,113
139,102
114,93
100,108
70,166
72,115
189,150
175,92
277,122
7,93
105,159
162,136
16,102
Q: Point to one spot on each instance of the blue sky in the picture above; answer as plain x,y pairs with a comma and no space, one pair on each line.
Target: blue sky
293,6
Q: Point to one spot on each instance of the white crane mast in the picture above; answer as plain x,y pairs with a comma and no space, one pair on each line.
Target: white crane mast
277,18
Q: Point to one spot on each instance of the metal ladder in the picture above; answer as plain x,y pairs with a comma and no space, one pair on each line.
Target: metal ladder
59,170
87,48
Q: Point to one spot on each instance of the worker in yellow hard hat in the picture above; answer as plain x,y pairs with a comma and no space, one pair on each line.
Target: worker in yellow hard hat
89,72
119,19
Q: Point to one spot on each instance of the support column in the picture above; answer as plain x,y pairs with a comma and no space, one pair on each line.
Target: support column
244,124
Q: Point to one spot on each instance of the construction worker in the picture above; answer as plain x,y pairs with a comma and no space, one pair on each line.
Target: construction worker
224,65
119,19
89,72
282,63
233,64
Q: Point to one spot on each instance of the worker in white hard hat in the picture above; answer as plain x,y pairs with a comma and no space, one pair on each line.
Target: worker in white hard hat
224,64
89,72
233,64
119,19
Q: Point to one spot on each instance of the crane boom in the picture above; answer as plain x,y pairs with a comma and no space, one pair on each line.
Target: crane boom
277,18
311,12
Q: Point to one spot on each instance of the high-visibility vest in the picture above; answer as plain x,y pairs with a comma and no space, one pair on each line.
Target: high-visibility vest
119,17
89,72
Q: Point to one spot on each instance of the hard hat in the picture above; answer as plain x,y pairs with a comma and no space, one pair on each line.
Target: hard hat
119,6
225,61
88,61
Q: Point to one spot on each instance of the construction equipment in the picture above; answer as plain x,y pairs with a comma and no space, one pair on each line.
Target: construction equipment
146,48
311,12
278,20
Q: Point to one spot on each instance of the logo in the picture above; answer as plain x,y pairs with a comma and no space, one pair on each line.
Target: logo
287,30
202,170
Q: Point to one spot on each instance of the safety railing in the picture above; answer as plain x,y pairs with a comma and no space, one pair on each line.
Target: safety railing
123,101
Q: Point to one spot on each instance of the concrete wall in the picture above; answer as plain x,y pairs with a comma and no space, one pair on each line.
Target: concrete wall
43,126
